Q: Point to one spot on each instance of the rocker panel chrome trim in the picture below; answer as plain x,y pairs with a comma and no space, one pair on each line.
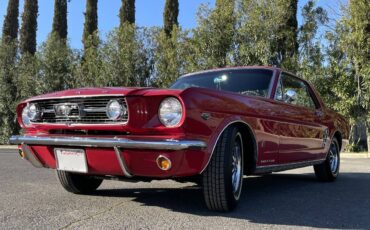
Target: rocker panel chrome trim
283,167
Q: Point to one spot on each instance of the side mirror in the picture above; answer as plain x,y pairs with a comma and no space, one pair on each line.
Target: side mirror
290,96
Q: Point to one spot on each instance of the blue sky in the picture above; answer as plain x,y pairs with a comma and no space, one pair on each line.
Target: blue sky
148,13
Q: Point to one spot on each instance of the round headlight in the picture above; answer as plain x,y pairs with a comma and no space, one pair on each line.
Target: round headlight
170,112
115,110
30,113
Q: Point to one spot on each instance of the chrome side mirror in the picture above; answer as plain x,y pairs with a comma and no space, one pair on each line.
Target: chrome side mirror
290,96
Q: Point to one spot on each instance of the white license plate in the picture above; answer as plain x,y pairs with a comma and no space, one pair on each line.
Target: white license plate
72,160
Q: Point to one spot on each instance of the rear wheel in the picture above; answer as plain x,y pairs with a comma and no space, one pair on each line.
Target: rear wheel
329,169
223,178
78,183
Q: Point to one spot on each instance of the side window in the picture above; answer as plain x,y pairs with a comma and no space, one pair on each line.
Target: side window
294,91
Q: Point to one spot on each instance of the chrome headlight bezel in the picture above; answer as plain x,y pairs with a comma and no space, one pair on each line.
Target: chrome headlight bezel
115,110
170,112
30,113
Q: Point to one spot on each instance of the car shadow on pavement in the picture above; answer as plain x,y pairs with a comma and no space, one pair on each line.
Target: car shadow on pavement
277,199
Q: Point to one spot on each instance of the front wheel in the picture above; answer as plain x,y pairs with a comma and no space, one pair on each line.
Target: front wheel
329,169
78,183
223,178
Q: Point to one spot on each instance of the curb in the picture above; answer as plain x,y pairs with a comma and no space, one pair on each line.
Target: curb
8,147
355,155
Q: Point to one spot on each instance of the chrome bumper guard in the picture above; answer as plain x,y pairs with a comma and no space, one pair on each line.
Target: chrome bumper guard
31,157
115,143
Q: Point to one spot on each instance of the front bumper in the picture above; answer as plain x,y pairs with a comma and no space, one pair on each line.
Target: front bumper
127,157
153,144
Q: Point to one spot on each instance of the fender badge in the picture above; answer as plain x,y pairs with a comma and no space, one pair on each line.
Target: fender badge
205,116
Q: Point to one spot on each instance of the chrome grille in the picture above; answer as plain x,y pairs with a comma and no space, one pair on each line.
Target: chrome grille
92,110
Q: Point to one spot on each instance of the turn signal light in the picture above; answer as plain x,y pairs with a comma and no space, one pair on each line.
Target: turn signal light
164,163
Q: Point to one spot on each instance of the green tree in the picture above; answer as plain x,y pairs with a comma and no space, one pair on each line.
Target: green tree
170,15
29,27
311,57
57,61
348,67
57,65
8,89
127,57
258,31
89,71
27,80
127,12
287,44
169,52
91,23
8,72
356,45
10,27
28,77
213,38
60,27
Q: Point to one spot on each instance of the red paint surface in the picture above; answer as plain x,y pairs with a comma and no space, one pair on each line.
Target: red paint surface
283,133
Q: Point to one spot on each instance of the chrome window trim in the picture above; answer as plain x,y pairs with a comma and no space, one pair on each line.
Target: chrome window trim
308,87
226,69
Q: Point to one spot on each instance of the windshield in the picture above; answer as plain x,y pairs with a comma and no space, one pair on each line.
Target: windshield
255,82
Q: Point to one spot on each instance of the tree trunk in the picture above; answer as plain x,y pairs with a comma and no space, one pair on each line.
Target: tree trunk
368,139
358,136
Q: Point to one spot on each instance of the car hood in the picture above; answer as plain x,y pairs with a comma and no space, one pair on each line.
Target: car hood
106,91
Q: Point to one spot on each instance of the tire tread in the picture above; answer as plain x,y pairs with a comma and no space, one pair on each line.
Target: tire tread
323,171
78,184
214,189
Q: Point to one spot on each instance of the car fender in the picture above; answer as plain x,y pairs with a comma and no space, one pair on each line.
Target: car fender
226,123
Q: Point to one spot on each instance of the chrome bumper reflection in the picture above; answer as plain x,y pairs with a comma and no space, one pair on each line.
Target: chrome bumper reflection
154,144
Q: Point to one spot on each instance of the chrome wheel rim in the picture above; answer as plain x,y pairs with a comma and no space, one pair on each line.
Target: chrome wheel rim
333,159
237,166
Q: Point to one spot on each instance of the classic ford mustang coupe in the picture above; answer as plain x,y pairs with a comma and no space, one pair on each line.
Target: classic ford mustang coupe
211,127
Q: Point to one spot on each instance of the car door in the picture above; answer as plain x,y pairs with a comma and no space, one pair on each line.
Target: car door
300,136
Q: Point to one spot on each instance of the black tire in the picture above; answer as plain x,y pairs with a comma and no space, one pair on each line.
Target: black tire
78,183
218,190
328,171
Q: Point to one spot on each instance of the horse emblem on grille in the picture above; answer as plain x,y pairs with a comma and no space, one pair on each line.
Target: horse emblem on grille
67,110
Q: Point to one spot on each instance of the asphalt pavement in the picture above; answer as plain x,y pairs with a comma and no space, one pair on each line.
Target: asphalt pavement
32,198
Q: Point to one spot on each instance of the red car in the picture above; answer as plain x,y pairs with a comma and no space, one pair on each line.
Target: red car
212,127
